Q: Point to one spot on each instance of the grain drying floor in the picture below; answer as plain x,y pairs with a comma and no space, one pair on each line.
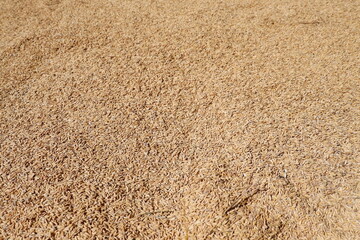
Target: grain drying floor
179,119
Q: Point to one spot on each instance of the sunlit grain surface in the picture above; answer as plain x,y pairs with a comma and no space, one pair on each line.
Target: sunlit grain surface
179,119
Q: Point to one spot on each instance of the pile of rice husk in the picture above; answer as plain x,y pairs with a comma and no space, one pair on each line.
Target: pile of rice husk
150,119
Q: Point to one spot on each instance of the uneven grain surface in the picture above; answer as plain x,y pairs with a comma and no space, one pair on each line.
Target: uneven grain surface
179,119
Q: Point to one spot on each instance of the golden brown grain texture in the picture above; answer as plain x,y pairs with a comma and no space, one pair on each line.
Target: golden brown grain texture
174,119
